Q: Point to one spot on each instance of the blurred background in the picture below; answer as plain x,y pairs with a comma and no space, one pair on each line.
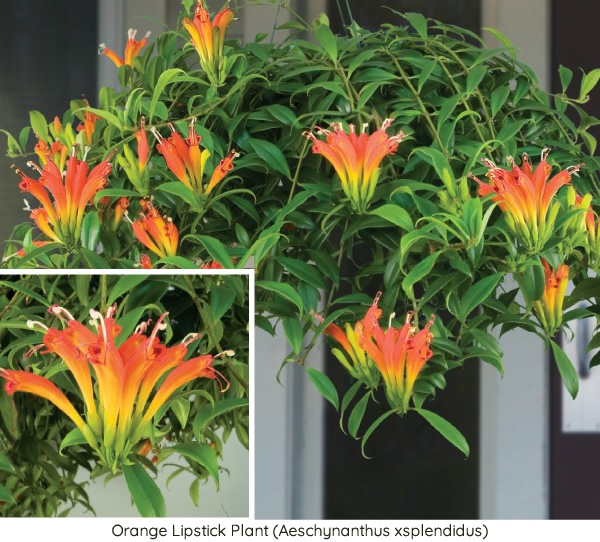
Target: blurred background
533,454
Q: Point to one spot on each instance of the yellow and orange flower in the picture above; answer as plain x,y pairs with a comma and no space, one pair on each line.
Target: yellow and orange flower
356,158
136,168
208,37
527,197
132,49
157,233
112,215
399,354
549,308
64,199
122,387
187,161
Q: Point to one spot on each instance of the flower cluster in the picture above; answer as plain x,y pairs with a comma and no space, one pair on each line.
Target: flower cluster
356,158
187,161
136,167
527,198
128,386
398,353
64,199
156,232
549,308
208,37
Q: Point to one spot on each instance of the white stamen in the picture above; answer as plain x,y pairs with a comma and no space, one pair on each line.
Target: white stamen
32,323
392,316
58,311
27,206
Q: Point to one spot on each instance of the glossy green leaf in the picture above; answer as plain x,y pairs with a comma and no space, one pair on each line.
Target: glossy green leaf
74,438
90,230
179,189
304,271
418,22
271,155
419,272
207,413
294,333
446,429
202,454
284,290
39,125
477,293
372,429
567,371
325,386
146,495
327,40
124,285
216,249
357,414
5,464
394,214
6,496
166,77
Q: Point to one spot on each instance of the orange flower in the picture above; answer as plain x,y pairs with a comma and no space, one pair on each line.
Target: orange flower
356,158
187,161
527,198
549,308
213,264
64,199
136,168
132,49
157,233
129,389
209,39
145,262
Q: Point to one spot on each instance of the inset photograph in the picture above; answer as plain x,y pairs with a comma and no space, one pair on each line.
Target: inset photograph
124,395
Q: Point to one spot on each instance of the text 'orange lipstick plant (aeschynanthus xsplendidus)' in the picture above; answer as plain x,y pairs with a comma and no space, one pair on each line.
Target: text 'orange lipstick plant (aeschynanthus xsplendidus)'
527,198
356,157
122,387
64,198
398,353
208,37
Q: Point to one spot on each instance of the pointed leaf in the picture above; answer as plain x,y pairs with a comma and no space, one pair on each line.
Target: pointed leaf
567,371
202,454
446,429
325,386
146,495
357,414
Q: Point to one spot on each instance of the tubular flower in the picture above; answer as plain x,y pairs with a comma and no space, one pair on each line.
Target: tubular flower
20,253
352,356
132,49
56,152
157,233
356,158
399,353
187,161
208,37
527,198
112,216
145,262
64,198
122,386
549,308
582,228
136,168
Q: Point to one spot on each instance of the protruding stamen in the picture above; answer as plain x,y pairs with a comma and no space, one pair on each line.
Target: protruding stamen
190,338
572,170
32,323
86,149
409,317
59,311
377,298
98,316
142,327
33,350
159,326
111,311
101,48
392,316
386,124
156,134
225,353
131,33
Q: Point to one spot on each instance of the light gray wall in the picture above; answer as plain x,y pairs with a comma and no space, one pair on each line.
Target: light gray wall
515,411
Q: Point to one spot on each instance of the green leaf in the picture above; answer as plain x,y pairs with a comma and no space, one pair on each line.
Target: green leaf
567,371
115,192
474,77
372,428
90,230
565,75
441,166
498,98
418,22
166,77
202,454
6,496
216,249
446,429
588,82
6,465
396,215
347,399
327,40
39,124
284,290
125,284
503,39
271,155
95,261
177,261
112,119
357,414
181,408
304,271
478,293
221,299
418,272
207,413
179,189
74,438
325,386
294,333
146,495
425,73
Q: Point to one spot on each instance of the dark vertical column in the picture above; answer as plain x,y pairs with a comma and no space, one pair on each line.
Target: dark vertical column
49,55
414,472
